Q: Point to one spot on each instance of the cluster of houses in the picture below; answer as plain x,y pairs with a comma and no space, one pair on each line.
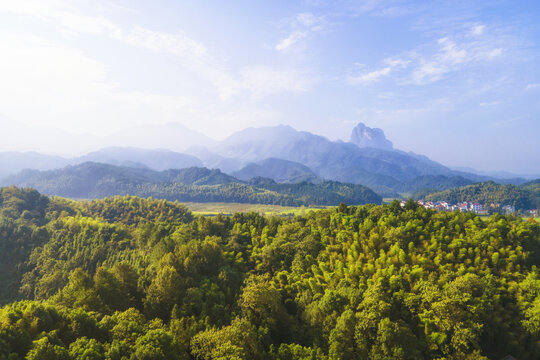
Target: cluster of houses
474,207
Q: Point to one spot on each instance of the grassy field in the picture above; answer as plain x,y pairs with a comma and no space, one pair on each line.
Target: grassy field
210,209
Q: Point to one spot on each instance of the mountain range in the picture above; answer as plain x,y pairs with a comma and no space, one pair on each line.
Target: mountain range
91,180
280,153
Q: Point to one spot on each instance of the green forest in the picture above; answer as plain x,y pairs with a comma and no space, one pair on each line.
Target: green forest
523,197
94,180
133,278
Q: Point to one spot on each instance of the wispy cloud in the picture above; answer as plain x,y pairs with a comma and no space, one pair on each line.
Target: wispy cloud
376,75
290,40
431,63
451,56
532,86
304,24
62,83
478,30
193,55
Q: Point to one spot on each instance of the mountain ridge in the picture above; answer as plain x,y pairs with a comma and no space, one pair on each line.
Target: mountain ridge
95,180
295,156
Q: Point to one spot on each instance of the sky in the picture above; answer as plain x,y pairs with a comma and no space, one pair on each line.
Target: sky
458,81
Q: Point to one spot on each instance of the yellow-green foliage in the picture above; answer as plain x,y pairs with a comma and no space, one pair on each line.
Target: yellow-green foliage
368,282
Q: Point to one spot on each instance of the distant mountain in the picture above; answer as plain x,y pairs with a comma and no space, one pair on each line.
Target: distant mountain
363,136
200,176
280,153
501,175
333,160
434,183
95,180
326,191
215,161
12,162
522,197
279,170
172,136
156,159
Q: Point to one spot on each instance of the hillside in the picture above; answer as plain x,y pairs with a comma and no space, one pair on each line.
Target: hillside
521,197
95,180
279,170
145,279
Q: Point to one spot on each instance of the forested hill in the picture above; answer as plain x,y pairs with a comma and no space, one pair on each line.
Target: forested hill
132,278
95,180
526,196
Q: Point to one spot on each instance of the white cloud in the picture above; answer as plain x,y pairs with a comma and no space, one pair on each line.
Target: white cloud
532,86
376,75
451,56
303,25
492,54
46,81
63,12
314,23
290,40
369,77
431,62
58,85
478,30
192,54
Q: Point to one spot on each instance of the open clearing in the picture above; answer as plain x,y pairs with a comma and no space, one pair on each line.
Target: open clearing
231,208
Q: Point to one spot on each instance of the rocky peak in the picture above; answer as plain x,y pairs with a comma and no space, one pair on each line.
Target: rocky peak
364,136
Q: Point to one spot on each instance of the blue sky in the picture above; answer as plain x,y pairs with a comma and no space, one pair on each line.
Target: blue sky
457,81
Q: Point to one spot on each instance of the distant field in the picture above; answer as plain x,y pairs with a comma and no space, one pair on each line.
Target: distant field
231,208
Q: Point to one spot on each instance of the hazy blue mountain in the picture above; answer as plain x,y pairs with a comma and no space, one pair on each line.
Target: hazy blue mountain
172,136
282,171
502,175
215,161
96,180
364,136
12,162
199,176
433,183
280,153
156,159
334,160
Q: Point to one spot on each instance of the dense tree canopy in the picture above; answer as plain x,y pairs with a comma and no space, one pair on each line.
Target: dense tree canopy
131,278
523,197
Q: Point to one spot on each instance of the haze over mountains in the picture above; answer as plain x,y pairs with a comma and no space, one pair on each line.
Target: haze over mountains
49,140
280,153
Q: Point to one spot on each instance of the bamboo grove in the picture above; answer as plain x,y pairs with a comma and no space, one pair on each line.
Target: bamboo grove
132,278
